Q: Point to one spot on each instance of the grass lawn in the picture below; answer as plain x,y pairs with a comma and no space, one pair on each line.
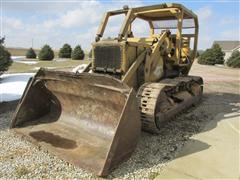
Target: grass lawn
58,63
17,67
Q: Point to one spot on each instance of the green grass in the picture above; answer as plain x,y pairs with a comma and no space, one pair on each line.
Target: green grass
17,67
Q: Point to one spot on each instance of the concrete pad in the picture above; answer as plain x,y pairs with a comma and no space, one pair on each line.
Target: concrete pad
212,154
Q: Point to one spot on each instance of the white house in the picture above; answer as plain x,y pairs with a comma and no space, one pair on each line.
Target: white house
228,47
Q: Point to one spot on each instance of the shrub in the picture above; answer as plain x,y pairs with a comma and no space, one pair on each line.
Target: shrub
78,53
218,53
212,56
46,53
234,59
5,59
31,54
206,58
65,51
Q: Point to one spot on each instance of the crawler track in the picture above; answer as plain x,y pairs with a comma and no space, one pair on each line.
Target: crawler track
159,102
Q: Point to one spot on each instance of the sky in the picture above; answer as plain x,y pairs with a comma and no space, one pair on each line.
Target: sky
56,22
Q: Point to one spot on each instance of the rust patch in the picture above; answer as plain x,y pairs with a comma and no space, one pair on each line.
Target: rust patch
54,140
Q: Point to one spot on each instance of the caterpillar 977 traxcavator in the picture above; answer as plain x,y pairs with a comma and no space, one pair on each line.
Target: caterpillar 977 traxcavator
94,118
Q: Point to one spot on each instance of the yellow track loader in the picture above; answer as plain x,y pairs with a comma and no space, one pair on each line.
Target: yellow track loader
93,119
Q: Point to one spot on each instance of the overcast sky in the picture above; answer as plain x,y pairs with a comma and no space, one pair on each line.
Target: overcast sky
56,22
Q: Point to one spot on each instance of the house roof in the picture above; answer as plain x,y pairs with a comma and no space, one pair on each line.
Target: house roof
228,45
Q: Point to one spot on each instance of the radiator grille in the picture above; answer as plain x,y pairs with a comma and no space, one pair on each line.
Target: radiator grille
107,57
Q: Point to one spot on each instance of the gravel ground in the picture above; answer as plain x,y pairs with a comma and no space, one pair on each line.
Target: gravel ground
21,159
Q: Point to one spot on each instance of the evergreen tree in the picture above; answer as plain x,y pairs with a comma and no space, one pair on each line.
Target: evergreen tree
5,57
234,59
78,53
90,54
218,54
31,54
65,51
212,56
46,53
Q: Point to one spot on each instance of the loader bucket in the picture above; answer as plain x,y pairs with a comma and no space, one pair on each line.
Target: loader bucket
90,120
